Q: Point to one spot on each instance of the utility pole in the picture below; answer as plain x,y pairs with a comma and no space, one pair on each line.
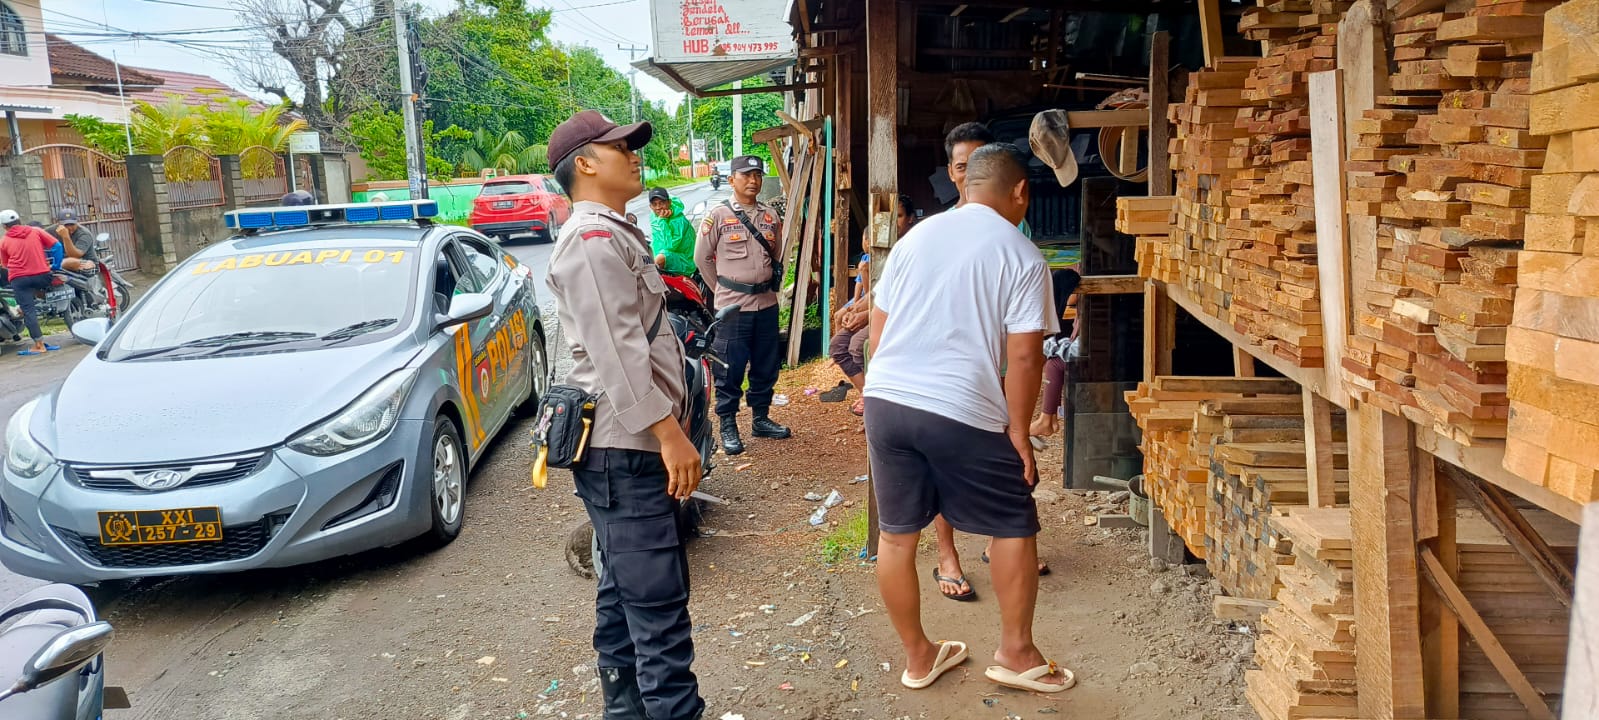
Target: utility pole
632,72
738,120
416,161
692,168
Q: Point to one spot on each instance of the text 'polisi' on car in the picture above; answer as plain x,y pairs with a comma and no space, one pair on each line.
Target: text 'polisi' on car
320,384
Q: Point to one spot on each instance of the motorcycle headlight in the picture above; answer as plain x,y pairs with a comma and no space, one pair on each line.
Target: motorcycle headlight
370,417
25,457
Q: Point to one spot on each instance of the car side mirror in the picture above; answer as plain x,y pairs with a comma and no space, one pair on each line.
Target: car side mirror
66,653
91,331
465,308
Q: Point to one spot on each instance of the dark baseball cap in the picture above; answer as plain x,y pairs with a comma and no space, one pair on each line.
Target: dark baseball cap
590,126
748,163
660,194
67,217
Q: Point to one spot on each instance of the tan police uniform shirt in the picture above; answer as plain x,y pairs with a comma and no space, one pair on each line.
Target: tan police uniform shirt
724,248
609,292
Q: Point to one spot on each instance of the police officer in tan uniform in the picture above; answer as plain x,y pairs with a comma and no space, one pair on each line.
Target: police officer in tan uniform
736,252
640,462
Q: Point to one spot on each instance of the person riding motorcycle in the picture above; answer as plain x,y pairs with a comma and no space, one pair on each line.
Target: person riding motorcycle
77,245
672,236
23,252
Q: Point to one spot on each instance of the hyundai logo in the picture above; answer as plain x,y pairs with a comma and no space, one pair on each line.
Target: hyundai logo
160,479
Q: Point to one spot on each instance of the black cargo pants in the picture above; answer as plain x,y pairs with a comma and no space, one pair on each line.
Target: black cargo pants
747,339
641,612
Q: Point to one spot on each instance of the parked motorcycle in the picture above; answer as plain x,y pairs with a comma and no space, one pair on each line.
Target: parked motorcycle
52,635
688,311
75,294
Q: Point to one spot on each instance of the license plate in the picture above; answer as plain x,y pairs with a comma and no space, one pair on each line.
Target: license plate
503,204
160,527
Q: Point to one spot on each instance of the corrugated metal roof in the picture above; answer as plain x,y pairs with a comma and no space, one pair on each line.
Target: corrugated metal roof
699,76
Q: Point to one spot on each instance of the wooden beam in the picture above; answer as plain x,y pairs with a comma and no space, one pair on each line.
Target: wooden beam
1243,362
775,147
1498,510
1332,244
1160,330
1480,633
1159,127
1388,670
1309,377
1210,30
789,128
1440,641
1137,117
1485,459
751,90
1111,285
802,264
1580,697
1319,450
1363,55
882,158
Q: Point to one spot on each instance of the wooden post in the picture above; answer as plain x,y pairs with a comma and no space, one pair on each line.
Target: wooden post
1210,30
1440,641
1159,127
1388,670
1243,362
882,157
1319,450
1332,244
1362,54
1581,695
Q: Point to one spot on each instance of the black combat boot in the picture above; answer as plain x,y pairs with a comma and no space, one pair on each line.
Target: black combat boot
765,427
731,443
622,698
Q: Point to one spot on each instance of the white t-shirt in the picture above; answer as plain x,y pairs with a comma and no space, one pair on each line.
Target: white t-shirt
953,288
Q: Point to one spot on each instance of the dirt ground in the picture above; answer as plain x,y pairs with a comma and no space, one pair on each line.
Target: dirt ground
497,625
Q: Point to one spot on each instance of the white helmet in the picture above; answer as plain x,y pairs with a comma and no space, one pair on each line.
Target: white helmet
9,217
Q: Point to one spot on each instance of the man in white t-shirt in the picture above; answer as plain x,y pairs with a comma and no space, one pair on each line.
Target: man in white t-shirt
962,296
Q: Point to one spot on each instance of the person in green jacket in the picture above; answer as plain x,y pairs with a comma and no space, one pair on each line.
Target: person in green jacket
671,235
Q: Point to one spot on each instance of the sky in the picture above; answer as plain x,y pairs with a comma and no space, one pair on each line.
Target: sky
600,24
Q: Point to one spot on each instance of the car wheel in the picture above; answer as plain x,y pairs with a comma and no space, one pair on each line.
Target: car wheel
541,371
446,484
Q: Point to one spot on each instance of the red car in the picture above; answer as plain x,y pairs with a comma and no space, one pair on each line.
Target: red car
519,204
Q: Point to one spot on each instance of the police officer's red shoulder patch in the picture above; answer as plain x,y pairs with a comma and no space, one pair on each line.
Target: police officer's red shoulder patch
591,234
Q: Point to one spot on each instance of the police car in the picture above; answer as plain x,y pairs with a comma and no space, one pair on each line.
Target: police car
320,384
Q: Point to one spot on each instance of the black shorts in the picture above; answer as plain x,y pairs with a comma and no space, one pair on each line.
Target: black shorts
925,464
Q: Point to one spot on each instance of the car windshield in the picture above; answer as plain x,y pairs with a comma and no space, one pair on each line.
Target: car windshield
506,188
312,297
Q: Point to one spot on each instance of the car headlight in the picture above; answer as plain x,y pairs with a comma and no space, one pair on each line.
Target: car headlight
368,418
25,457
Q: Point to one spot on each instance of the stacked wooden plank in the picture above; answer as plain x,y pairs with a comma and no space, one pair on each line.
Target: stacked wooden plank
1149,220
1257,457
1202,153
1272,257
1518,608
1553,343
1306,648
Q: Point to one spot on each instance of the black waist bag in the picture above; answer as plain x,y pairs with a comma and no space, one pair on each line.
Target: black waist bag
566,417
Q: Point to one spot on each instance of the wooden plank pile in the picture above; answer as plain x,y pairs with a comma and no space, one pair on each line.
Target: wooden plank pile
1446,163
1306,648
1183,420
1553,344
1272,263
1257,457
1520,610
1202,153
1149,220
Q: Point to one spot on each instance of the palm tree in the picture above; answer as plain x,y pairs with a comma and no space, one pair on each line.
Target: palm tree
159,128
509,152
235,126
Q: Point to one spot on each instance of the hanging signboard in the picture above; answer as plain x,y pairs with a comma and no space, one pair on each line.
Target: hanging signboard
721,30
305,143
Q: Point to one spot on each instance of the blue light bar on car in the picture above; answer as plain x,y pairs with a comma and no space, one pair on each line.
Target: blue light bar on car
279,218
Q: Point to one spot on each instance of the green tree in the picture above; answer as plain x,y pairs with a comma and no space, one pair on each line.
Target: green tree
380,135
713,118
507,151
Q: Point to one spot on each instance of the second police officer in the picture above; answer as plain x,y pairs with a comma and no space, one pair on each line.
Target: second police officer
737,252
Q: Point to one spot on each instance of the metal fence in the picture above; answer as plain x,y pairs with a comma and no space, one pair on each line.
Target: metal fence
265,180
95,186
194,178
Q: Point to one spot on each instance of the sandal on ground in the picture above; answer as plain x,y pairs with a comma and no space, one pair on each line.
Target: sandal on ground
967,596
1043,567
1031,679
31,351
836,394
950,654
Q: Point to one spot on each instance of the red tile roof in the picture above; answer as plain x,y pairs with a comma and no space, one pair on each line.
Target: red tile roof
71,64
196,90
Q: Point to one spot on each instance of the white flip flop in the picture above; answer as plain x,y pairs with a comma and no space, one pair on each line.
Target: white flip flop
1029,680
950,654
